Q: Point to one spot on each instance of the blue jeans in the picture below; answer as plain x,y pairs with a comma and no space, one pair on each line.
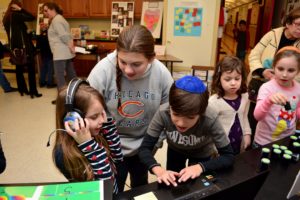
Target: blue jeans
46,76
137,170
3,81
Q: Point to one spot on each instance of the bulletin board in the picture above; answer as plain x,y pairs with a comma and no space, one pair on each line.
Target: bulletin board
122,15
41,19
187,21
152,13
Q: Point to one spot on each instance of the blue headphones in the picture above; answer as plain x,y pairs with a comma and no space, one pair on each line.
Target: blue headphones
72,112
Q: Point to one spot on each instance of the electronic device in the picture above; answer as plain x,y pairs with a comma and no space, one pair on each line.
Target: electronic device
72,112
198,188
186,192
287,106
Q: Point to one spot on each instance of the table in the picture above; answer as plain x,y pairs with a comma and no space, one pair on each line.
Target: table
202,68
169,59
234,182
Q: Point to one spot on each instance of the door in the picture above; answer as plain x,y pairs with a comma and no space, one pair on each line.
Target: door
194,50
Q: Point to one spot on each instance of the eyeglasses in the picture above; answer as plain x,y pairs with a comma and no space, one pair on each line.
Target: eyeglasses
297,25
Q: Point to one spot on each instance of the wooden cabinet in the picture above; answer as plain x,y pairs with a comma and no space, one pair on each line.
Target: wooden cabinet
100,8
138,5
74,8
83,64
65,6
79,8
31,6
83,8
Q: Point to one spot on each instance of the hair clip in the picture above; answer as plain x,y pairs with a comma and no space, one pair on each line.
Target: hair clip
288,48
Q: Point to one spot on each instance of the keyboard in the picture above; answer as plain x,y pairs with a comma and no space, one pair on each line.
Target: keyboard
200,194
195,189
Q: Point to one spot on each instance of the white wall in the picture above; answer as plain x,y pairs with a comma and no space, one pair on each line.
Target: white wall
200,50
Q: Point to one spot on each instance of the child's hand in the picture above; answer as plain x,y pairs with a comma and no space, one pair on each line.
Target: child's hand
246,142
166,176
104,116
15,7
192,172
81,133
268,74
278,98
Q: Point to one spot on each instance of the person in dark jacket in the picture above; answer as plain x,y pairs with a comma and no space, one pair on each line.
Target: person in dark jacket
16,29
2,159
3,80
42,44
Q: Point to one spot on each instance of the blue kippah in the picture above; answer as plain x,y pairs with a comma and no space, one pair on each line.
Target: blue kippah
191,84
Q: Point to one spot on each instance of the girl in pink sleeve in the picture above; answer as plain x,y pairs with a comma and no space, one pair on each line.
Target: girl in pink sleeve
277,107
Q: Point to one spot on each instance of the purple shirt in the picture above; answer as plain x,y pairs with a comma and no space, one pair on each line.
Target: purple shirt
235,134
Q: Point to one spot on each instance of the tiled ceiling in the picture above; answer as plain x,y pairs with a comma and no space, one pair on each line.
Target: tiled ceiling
234,3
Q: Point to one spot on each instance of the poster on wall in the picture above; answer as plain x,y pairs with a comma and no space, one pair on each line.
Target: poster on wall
42,21
152,17
188,21
291,4
121,16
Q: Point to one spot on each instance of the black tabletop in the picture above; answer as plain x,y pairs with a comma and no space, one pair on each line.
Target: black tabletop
243,180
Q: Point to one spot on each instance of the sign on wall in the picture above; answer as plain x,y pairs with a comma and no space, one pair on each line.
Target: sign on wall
292,4
42,21
152,17
187,21
121,16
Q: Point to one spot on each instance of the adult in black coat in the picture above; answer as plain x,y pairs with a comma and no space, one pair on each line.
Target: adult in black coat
14,21
2,159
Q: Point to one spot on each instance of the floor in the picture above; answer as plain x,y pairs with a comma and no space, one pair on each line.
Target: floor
26,124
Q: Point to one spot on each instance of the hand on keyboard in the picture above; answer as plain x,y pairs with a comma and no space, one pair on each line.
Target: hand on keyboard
190,172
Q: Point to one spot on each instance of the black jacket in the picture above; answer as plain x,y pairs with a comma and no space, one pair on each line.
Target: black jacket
19,30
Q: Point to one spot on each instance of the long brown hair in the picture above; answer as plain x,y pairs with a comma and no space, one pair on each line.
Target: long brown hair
53,6
137,39
75,163
228,64
6,17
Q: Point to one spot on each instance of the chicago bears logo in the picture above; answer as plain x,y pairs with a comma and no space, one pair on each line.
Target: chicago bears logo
122,112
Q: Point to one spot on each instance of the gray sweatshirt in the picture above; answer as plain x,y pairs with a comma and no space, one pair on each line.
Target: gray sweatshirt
141,98
59,36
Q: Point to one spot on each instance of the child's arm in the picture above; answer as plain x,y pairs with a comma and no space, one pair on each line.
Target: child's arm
298,111
263,105
98,159
2,159
145,152
224,160
261,109
247,130
146,157
112,137
246,142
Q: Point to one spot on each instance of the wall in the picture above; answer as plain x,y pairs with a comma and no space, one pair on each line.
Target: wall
200,50
94,24
3,7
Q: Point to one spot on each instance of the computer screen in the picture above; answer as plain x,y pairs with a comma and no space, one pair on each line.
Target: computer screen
100,190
